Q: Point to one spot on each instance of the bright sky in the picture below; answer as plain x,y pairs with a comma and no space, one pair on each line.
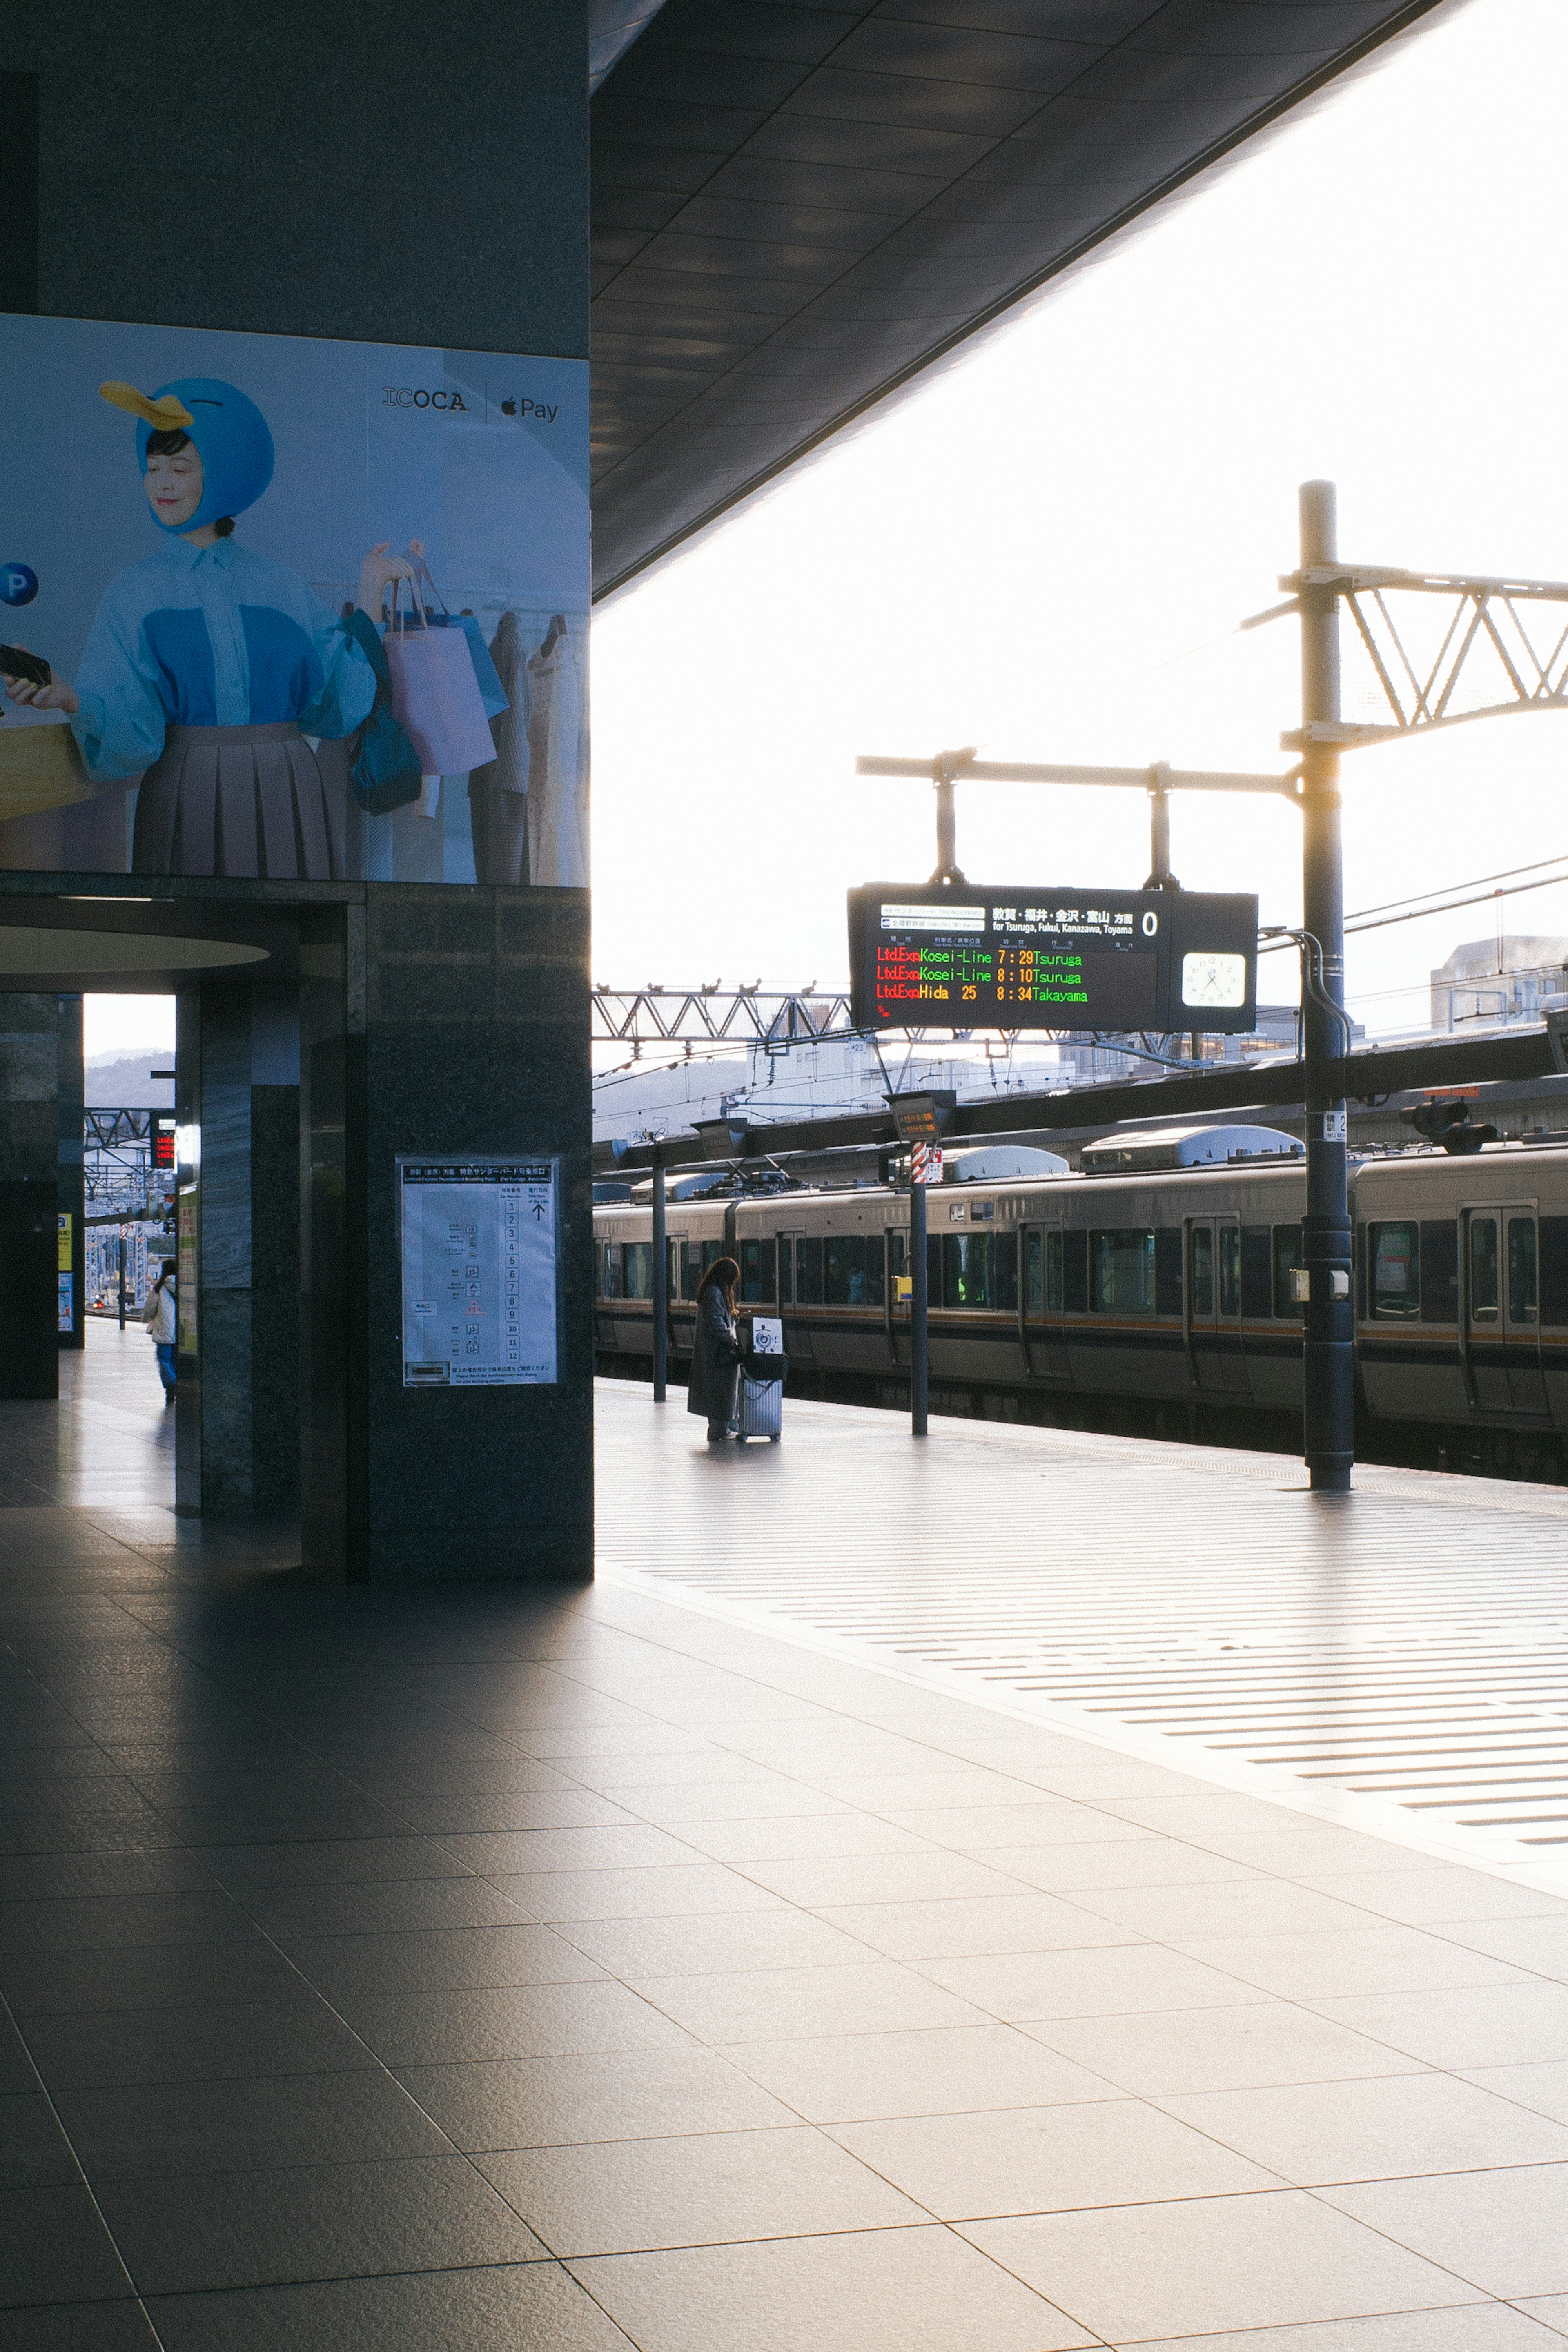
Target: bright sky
1374,297
123,1024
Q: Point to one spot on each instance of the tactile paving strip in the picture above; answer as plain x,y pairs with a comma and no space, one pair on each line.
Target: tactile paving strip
1399,1659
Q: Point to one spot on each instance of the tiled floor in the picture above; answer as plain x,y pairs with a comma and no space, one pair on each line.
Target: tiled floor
1390,1660
469,1970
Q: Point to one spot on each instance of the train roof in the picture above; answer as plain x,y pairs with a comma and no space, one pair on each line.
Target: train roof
1186,1147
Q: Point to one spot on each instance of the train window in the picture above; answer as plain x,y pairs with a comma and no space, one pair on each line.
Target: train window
1395,1271
636,1269
966,1270
712,1254
1121,1271
1439,1270
1552,1235
1257,1272
1200,1270
849,1279
606,1269
1230,1269
757,1273
1075,1272
1485,1296
898,1260
1523,1295
671,1271
808,1270
691,1270
1004,1273
1287,1262
1034,1274
1056,1288
1170,1255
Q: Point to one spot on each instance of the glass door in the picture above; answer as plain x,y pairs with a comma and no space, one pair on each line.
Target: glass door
1212,1305
1502,1308
1521,1309
793,1294
1042,1337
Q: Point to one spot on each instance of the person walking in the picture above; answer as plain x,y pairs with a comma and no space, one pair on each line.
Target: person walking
161,1316
716,1350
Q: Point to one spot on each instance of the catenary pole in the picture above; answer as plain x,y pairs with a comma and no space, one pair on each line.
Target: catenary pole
1328,1366
660,1287
919,1383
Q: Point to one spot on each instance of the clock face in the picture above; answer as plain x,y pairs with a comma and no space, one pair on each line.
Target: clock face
1214,980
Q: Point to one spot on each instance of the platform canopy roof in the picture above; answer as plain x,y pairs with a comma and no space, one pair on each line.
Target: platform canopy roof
800,205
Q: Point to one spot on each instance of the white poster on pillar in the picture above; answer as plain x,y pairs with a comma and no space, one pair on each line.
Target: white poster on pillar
295,610
480,1303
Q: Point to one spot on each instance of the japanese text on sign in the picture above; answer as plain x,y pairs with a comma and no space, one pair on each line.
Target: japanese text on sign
479,1272
957,958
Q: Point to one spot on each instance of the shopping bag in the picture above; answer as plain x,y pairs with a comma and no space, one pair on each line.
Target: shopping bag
383,766
436,694
492,694
41,766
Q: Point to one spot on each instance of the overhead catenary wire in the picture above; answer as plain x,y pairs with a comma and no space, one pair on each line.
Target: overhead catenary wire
1372,920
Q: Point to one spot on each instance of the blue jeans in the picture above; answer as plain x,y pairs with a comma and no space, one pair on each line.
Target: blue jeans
164,1350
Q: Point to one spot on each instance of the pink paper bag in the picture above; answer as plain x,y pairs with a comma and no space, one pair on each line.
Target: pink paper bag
436,697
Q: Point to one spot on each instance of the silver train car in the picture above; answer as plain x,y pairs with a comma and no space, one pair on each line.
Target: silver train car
1153,1300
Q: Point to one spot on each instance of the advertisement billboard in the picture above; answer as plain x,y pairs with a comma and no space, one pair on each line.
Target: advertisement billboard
301,610
940,956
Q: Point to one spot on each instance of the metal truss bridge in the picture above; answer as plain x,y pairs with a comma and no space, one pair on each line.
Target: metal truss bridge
717,1016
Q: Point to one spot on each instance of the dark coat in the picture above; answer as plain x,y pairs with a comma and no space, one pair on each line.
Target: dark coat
715,1356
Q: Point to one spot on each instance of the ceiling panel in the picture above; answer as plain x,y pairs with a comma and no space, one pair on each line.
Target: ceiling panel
798,207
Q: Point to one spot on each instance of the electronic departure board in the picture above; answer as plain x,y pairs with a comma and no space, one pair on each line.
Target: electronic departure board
932,956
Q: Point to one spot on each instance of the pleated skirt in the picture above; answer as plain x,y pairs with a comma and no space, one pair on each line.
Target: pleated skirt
241,801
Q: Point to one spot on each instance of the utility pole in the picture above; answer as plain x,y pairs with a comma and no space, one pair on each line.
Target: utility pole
661,1284
1329,1361
918,1325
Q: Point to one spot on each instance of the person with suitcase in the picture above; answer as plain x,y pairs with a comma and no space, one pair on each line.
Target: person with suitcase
716,1350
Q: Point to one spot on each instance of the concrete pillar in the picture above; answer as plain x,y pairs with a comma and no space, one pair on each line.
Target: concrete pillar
236,1443
440,1022
29,1195
437,1017
70,1088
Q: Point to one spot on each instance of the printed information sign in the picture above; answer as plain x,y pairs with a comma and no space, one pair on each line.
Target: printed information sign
478,1271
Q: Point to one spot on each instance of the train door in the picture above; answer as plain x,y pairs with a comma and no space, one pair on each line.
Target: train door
1502,1307
793,1296
1042,1336
1212,1305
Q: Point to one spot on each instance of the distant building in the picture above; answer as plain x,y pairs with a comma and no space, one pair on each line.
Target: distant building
1498,980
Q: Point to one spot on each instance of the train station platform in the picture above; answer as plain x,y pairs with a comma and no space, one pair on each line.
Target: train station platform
1021,1891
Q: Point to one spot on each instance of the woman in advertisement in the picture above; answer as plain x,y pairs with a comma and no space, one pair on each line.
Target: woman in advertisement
207,665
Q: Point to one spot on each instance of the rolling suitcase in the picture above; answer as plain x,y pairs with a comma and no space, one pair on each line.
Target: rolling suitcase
760,1407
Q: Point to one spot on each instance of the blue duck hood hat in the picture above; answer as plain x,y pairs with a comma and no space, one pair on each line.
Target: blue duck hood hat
228,431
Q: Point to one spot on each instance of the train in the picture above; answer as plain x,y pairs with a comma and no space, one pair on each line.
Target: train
1149,1291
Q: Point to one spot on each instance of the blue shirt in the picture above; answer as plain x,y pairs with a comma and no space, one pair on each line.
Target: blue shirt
211,636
